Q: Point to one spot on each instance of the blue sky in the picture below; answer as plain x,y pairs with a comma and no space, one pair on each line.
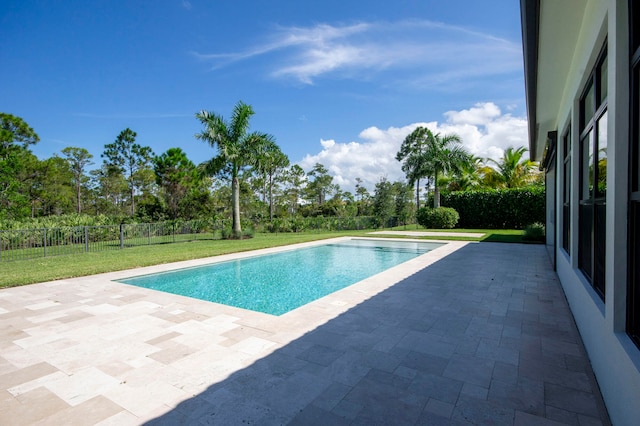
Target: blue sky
337,82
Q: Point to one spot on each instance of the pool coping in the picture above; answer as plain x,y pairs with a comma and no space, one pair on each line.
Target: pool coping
215,260
359,291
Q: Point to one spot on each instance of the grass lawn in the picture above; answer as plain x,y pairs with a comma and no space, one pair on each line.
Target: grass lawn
21,272
490,235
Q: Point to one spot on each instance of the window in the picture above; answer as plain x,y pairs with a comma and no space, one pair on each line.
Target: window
633,294
566,192
593,177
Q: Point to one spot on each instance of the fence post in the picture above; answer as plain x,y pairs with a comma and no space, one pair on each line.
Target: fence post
149,233
173,225
121,236
86,239
45,242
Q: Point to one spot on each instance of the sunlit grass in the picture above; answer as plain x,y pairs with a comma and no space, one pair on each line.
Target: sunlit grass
488,235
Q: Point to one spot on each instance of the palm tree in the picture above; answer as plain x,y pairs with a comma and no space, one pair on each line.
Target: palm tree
444,154
470,177
237,150
514,171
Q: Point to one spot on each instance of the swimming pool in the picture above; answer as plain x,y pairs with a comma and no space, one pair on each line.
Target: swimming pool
280,282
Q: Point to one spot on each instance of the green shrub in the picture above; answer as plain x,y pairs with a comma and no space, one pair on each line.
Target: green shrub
497,209
226,233
534,232
438,218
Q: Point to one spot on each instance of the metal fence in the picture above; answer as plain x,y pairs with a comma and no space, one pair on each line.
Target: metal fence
24,244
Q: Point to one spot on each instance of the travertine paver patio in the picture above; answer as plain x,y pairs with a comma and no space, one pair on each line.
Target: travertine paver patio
467,334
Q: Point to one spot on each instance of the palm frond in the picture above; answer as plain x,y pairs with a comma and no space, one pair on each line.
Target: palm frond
240,120
215,131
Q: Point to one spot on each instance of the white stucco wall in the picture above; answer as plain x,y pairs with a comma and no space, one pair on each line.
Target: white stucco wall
615,359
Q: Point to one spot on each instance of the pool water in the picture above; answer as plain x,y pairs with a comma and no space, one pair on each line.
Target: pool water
280,282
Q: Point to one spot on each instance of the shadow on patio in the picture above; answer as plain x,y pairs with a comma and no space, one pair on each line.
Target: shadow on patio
483,336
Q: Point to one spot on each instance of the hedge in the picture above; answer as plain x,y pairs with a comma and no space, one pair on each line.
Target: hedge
497,209
440,218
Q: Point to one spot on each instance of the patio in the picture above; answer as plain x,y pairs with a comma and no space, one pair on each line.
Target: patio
470,333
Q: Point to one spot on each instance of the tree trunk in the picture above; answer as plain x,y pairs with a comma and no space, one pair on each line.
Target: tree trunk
417,194
271,198
78,197
235,194
133,202
133,189
436,193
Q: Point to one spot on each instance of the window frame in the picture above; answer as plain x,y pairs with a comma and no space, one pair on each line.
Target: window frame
592,201
633,214
566,190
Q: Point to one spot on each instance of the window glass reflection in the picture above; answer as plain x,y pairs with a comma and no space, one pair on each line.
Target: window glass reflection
602,155
604,73
588,107
586,189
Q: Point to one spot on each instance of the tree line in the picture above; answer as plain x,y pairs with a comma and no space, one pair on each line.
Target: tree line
247,174
444,163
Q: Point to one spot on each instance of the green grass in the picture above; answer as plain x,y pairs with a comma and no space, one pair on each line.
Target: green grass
489,235
502,236
21,272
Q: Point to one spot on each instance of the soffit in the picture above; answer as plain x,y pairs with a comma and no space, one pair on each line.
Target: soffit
558,33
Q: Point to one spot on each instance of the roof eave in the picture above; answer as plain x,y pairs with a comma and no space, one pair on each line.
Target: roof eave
530,18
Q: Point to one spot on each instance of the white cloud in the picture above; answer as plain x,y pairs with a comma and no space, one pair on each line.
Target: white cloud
421,53
478,114
485,131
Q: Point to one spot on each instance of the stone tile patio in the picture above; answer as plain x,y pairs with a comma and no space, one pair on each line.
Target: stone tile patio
466,334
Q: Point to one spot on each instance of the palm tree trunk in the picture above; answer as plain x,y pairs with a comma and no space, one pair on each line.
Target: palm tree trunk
235,194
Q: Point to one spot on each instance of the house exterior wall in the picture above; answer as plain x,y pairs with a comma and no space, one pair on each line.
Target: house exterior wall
551,208
614,356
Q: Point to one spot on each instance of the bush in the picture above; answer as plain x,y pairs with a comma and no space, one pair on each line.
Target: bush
534,232
438,218
227,233
498,209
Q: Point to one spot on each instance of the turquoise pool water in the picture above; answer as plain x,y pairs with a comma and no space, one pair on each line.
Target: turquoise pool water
280,282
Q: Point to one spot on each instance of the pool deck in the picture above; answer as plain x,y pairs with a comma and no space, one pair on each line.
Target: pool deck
470,333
